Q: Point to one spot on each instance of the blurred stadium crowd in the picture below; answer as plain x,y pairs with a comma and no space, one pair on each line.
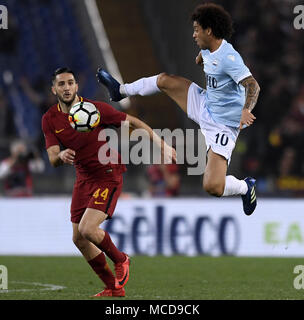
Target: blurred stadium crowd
43,35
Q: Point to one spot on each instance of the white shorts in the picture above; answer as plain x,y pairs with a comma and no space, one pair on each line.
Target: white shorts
220,138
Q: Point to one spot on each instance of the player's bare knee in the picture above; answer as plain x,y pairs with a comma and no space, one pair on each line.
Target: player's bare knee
163,80
86,231
80,242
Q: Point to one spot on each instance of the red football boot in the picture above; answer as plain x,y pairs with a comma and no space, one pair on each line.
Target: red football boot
122,273
111,293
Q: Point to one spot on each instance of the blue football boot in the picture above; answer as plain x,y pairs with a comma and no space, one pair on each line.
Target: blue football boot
111,84
249,199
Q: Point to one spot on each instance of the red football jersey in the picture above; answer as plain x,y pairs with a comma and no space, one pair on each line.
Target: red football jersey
58,131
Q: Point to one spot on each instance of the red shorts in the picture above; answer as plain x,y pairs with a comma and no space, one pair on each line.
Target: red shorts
100,195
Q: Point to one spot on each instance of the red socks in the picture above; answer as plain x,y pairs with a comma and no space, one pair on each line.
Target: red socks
99,263
102,269
108,247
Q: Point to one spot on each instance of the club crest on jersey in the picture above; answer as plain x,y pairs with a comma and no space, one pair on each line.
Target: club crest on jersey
231,57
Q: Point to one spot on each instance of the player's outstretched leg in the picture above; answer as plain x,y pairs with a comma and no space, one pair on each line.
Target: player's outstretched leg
173,86
249,199
143,86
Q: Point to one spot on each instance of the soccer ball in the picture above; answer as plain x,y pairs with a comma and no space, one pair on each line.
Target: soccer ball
84,116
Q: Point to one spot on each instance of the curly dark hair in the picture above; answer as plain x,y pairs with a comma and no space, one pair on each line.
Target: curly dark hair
210,15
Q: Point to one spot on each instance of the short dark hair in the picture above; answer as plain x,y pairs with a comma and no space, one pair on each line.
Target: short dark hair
62,70
210,15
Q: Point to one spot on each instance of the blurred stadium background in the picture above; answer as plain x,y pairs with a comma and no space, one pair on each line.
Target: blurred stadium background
145,37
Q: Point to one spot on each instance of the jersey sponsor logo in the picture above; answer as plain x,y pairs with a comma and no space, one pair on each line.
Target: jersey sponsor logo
58,131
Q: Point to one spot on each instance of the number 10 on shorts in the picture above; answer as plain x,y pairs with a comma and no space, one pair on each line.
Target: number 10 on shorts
222,139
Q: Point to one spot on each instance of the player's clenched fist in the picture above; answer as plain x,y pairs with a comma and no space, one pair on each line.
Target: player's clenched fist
67,156
247,119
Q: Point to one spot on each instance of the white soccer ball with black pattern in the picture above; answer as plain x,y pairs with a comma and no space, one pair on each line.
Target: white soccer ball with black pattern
84,116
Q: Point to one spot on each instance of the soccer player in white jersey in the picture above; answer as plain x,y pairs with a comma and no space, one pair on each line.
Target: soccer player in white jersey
222,110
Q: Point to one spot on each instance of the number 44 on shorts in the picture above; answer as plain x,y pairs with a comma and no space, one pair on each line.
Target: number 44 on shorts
103,194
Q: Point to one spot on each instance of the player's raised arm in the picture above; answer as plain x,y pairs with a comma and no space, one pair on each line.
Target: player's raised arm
168,153
58,158
252,94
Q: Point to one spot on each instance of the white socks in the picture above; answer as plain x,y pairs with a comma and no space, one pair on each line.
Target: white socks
234,186
142,87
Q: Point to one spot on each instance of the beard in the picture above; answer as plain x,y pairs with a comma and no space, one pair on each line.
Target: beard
67,101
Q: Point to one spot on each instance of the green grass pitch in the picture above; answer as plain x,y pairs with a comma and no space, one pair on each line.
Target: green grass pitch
155,278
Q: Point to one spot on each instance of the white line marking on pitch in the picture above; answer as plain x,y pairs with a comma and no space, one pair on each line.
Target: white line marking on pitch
46,287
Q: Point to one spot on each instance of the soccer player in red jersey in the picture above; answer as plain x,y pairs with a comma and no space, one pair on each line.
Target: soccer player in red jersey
97,185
